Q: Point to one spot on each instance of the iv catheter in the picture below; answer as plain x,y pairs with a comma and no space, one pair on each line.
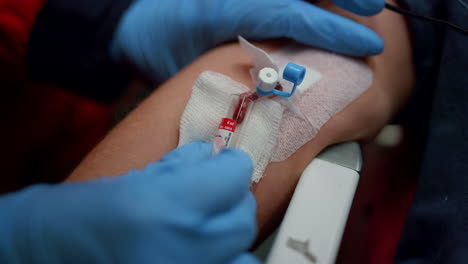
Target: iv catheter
268,86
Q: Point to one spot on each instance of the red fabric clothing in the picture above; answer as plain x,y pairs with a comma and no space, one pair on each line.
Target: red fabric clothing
16,21
50,129
47,131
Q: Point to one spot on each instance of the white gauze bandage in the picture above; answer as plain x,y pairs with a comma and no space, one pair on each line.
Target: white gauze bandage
212,99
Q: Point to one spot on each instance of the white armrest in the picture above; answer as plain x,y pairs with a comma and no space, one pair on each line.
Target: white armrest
312,228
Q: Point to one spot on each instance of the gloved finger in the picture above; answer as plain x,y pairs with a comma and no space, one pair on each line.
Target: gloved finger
221,182
189,153
238,224
236,227
308,24
314,26
361,7
245,259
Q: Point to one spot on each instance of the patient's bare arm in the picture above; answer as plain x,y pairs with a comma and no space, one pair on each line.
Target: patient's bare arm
151,130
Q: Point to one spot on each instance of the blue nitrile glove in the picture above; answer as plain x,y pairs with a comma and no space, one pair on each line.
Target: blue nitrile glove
362,7
189,207
159,37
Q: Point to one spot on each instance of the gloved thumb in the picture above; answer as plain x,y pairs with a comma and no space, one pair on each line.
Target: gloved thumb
245,259
221,182
191,153
361,7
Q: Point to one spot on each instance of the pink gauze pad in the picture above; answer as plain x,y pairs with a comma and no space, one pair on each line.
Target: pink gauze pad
332,82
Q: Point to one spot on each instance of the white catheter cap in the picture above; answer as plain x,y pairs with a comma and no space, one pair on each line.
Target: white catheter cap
267,79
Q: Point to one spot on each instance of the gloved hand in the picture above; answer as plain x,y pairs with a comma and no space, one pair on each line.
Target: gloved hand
159,37
362,7
187,208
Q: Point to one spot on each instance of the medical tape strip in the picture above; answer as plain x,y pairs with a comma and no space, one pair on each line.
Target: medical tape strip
332,82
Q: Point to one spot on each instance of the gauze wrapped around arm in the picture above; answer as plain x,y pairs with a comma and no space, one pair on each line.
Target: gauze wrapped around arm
273,132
